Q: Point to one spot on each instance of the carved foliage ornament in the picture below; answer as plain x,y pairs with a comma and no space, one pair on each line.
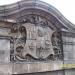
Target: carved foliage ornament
35,41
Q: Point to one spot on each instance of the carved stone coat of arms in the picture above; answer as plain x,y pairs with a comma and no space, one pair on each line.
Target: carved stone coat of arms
33,40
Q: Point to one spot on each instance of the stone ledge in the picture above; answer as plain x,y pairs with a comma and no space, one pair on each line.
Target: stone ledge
36,67
19,68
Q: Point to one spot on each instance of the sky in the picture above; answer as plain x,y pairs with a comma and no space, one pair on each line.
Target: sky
66,7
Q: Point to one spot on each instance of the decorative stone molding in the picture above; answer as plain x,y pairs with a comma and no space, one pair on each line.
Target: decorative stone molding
33,32
33,40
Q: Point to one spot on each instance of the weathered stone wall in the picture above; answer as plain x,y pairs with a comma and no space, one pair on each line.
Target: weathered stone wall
69,47
19,43
26,36
33,40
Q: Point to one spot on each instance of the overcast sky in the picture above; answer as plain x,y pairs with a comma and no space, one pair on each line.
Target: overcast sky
66,7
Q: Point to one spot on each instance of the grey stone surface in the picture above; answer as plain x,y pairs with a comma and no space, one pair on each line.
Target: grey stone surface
4,50
35,37
36,67
48,73
6,69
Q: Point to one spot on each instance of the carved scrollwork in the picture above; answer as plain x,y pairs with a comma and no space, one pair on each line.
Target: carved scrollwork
28,19
23,32
19,41
19,51
56,42
14,28
36,42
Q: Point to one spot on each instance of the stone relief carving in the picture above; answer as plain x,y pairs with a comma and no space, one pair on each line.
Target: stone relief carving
56,41
14,29
40,33
35,40
32,46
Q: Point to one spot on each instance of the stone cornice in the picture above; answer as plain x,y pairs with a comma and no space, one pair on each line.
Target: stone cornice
9,10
